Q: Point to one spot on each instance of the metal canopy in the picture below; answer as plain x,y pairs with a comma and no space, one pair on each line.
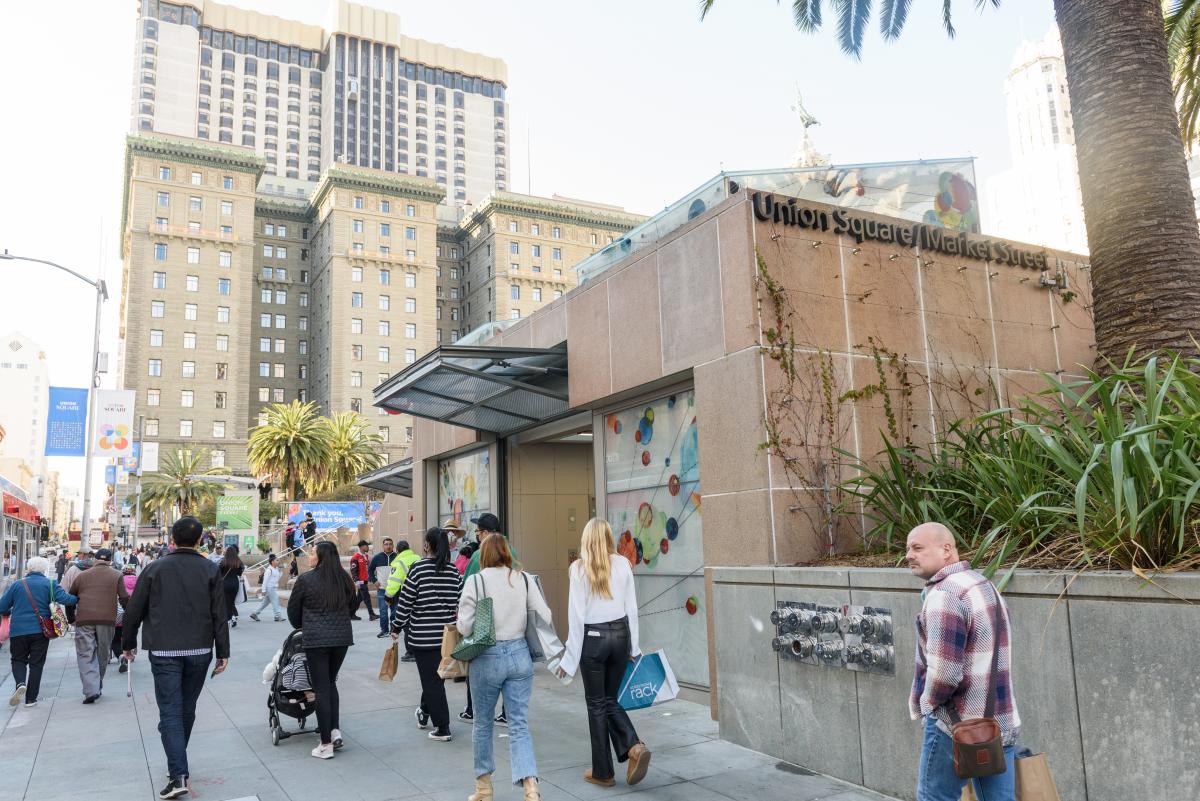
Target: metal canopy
493,389
395,478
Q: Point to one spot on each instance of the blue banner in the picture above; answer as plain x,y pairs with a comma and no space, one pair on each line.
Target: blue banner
334,514
66,421
133,462
110,474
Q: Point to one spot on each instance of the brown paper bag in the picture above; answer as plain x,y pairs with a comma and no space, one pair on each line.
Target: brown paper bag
1034,781
391,657
449,639
449,667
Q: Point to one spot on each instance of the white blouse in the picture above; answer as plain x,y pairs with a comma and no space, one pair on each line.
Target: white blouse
584,606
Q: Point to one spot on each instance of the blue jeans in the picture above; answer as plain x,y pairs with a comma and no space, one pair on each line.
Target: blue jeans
937,781
504,668
178,681
385,611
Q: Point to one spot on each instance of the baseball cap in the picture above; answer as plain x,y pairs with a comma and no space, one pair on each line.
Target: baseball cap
487,521
104,555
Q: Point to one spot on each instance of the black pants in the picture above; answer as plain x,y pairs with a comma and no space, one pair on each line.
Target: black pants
433,687
28,653
363,599
116,642
602,662
323,667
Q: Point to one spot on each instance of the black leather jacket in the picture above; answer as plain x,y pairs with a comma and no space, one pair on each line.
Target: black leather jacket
323,628
180,605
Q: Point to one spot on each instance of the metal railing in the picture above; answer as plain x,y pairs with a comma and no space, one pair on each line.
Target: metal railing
285,550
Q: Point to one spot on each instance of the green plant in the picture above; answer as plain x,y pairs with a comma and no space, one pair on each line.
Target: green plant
178,482
293,445
352,451
1098,473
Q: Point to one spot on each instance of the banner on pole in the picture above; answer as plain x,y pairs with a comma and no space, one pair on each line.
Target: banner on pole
133,462
149,457
110,474
66,421
112,434
236,512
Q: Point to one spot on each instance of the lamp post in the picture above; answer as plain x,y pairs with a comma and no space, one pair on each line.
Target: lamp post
101,296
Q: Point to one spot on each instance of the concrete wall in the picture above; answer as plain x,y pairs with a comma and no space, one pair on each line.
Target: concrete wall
1103,672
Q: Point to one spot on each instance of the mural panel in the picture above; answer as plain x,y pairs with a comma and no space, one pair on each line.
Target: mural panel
465,488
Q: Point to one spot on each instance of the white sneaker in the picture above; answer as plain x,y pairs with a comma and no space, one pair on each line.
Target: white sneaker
17,695
323,751
337,740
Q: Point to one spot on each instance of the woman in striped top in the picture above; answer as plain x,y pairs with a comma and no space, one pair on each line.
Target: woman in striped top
427,602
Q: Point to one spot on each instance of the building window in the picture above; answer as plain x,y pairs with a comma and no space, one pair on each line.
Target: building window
356,275
385,277
357,226
304,347
281,296
356,405
410,305
197,179
151,427
187,398
358,203
160,280
226,231
193,255
222,371
279,370
218,458
222,314
303,320
218,429
385,328
385,303
356,325
355,378
219,400
160,251
152,397
189,311
192,283
264,369
164,173
264,344
164,199
185,428
264,394
279,346
303,372
514,292
269,251
514,314
384,354
556,232
222,342
593,238
222,286
269,229
356,247
356,353
410,330
281,321
410,280
535,229
187,369
385,206
410,355
557,294
556,254
514,248
226,207
410,233
385,229
356,300
537,294
303,298
195,203
225,258
410,210
385,434
189,340
453,293
277,394
537,251
154,367
227,182
513,226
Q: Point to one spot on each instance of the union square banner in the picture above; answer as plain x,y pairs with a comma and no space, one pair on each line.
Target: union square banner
112,434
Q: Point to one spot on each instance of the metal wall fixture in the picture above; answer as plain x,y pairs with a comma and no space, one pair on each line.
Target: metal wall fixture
852,637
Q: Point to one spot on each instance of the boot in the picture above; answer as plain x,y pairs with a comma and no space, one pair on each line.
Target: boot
483,788
532,793
639,762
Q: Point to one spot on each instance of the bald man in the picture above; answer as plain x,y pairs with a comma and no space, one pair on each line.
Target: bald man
963,656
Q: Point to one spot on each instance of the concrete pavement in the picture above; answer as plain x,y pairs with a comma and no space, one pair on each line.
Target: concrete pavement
110,751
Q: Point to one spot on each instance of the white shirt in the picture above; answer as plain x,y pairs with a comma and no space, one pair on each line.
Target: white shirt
510,602
584,606
271,576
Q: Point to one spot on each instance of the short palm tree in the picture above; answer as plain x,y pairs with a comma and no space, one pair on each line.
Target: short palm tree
292,445
353,450
177,484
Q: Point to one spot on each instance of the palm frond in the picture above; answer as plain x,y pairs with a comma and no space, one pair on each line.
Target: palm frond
853,16
705,7
892,16
947,20
807,15
1182,27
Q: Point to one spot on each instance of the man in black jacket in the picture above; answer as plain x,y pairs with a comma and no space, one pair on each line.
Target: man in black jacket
180,600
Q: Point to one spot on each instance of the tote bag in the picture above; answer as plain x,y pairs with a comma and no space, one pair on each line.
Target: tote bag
540,635
483,636
648,681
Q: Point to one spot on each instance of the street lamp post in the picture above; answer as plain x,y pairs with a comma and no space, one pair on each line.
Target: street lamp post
101,296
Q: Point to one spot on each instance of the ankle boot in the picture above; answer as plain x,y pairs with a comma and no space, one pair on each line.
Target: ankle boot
483,788
532,793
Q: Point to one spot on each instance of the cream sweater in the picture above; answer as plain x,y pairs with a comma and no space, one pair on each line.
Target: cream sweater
510,602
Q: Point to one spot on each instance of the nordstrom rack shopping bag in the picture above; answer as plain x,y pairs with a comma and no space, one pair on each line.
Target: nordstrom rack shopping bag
648,680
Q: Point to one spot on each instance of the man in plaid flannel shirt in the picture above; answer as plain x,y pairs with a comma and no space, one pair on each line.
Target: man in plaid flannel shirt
956,632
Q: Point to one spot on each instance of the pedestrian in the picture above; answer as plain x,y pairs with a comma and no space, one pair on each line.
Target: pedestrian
133,561
231,581
602,639
216,554
503,669
487,525
60,565
118,560
27,602
129,579
81,562
380,568
320,607
963,668
427,602
310,528
270,589
464,556
401,564
360,573
99,590
181,604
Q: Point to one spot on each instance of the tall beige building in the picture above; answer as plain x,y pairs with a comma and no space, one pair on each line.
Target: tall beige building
243,289
305,97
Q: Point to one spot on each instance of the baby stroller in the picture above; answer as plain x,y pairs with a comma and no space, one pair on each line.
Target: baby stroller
290,689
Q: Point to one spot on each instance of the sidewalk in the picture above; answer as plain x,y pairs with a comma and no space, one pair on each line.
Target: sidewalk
62,749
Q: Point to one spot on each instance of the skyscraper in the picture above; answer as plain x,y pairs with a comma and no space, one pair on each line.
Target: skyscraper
1038,199
305,98
23,407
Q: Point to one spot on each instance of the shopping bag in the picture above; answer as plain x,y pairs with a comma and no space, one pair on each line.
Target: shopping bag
1034,780
648,681
451,668
391,658
5,622
483,636
450,639
240,598
540,635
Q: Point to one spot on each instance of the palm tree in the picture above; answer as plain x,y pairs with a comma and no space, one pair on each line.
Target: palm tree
1137,199
353,450
1183,53
176,482
292,445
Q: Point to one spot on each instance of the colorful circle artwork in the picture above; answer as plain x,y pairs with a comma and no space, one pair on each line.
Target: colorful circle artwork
638,545
645,515
672,529
673,485
663,545
645,458
645,431
637,436
626,548
692,605
649,415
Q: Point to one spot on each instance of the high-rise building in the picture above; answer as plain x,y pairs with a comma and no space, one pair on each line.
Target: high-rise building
305,97
24,403
242,290
1038,199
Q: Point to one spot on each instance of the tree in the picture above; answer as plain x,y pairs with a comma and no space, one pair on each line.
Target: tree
1137,199
176,482
1183,53
292,445
353,450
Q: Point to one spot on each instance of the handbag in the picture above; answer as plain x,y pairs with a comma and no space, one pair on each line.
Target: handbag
540,635
240,598
449,667
58,615
5,622
978,746
483,636
49,629
387,671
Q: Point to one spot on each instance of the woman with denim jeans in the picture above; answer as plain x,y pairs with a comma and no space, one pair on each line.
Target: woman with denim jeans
505,668
601,641
270,589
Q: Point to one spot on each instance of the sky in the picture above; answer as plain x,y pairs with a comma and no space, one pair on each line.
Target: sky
627,102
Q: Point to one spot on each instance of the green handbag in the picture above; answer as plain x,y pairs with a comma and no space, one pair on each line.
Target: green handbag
483,636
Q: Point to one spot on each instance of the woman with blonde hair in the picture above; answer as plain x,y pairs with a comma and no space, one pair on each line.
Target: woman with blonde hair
602,640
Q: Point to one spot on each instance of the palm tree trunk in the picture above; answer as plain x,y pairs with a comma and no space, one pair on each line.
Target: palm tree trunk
1137,198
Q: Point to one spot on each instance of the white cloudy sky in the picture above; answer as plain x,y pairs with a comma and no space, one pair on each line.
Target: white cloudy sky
632,102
